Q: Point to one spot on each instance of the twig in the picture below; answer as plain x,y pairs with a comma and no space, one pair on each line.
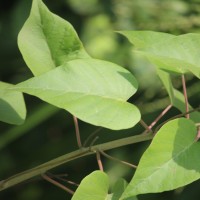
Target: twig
61,178
198,133
185,96
47,178
160,116
118,160
175,117
78,137
145,125
99,160
91,136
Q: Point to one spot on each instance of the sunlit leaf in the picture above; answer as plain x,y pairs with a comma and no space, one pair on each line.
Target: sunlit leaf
47,41
178,54
171,161
93,187
12,106
93,90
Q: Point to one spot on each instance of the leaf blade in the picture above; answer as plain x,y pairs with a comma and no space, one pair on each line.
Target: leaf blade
94,186
93,90
12,105
171,160
47,41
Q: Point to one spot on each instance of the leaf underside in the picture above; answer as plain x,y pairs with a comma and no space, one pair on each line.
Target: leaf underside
93,90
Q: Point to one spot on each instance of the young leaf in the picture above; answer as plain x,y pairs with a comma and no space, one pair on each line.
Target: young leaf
171,161
179,54
93,90
93,187
47,41
12,106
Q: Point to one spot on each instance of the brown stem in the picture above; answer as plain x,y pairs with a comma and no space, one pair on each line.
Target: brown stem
99,161
145,125
115,159
198,133
47,178
185,96
78,137
160,116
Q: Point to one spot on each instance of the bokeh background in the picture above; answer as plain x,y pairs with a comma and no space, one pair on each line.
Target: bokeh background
49,132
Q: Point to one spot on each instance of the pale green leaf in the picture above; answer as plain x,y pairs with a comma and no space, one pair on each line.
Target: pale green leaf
176,97
47,41
12,106
93,90
179,54
118,189
171,161
93,187
144,39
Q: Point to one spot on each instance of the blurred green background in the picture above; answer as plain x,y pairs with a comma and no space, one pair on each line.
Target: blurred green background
49,132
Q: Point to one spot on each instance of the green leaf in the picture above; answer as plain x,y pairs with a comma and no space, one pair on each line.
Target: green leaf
171,161
118,189
179,54
93,187
93,90
47,41
12,106
145,39
176,97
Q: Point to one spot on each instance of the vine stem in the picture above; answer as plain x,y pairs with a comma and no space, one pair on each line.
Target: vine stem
47,178
78,136
43,168
185,96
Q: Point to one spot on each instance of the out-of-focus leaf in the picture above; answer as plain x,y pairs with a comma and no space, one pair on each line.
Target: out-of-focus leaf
177,98
177,54
12,106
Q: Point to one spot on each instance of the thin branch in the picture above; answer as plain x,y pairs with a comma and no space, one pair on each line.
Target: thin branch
175,117
91,136
61,178
198,133
47,178
99,160
43,168
145,125
78,137
118,160
185,96
160,116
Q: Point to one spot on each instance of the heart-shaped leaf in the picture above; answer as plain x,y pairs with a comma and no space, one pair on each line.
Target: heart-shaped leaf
179,54
12,106
171,161
47,41
93,90
94,186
